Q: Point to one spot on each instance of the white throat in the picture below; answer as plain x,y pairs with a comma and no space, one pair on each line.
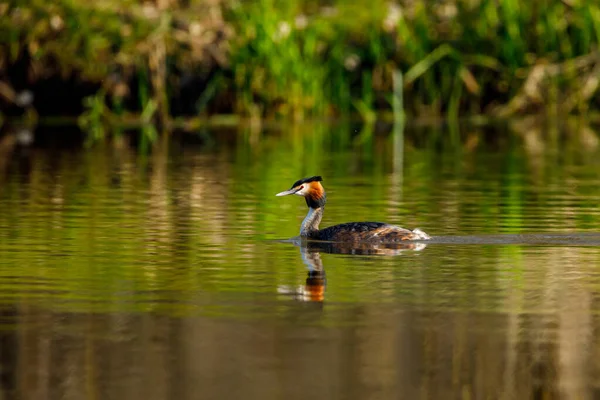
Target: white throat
311,221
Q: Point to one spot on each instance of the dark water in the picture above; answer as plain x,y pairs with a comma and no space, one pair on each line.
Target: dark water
166,276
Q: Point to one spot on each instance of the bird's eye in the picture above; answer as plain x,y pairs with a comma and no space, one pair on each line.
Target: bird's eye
301,187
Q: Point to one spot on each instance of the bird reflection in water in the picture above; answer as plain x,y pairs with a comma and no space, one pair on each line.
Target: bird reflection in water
314,288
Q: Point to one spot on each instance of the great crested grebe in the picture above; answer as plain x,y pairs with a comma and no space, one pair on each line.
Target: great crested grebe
314,194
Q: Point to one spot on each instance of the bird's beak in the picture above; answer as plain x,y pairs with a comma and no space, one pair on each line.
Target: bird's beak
287,192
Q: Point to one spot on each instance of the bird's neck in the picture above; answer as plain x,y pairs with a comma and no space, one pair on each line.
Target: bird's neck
311,222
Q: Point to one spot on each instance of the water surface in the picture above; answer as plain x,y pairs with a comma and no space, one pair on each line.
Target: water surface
127,275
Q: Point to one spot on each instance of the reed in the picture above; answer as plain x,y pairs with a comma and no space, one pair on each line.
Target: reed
458,57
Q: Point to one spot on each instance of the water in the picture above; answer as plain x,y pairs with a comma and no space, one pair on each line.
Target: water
168,275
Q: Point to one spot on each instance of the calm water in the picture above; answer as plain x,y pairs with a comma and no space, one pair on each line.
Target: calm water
168,276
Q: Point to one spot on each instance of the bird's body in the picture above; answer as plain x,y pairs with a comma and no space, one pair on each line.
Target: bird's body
364,232
351,232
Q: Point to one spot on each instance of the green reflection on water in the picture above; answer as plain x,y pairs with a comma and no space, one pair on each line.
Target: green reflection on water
192,225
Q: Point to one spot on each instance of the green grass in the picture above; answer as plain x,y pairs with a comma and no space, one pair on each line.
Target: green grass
458,58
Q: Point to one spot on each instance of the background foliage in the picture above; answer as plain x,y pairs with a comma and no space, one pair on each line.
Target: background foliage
299,58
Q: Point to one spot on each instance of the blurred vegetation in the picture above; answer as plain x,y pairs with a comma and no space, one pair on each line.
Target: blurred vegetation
113,61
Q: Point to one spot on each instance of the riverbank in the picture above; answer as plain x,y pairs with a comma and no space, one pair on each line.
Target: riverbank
106,62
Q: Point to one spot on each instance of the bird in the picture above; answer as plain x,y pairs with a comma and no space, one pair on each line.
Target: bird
352,232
